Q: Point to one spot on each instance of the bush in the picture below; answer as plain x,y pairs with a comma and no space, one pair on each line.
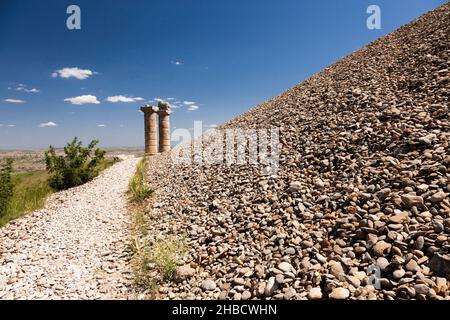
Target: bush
138,188
78,166
6,186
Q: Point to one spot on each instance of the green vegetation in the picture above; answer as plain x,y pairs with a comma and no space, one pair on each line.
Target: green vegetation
138,188
166,254
6,186
77,166
30,192
25,192
154,258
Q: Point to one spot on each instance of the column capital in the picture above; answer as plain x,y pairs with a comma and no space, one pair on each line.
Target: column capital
149,109
164,108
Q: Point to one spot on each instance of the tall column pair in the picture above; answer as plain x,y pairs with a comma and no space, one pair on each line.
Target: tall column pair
151,141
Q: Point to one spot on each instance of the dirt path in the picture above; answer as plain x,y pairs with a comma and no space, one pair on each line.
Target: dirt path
74,248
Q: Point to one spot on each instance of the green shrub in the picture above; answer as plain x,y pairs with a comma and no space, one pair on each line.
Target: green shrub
138,188
6,186
77,166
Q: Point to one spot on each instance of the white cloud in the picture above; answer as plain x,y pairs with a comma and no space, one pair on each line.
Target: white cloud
170,99
178,63
158,100
22,87
14,101
75,72
101,125
192,107
188,103
47,124
84,99
11,125
120,98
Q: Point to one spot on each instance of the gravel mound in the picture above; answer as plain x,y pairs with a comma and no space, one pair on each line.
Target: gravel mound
359,208
74,248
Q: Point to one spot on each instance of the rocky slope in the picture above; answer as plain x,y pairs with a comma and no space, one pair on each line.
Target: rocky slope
363,186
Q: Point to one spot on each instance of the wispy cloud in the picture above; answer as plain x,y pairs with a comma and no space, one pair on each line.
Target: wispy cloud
120,98
192,107
22,87
84,99
74,72
177,63
170,99
14,100
101,125
47,124
188,103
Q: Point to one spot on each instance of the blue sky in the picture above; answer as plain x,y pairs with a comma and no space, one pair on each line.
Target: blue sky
225,56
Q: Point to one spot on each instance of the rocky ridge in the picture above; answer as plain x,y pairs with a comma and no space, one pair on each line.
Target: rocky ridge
360,206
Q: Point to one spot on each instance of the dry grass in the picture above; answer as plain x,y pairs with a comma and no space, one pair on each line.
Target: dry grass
166,254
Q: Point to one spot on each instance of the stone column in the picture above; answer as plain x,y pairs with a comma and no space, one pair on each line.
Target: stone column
151,145
164,126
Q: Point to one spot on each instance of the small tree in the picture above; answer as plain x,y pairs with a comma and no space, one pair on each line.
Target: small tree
6,186
77,166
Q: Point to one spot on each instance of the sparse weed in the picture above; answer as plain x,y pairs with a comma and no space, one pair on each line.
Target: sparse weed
166,253
138,188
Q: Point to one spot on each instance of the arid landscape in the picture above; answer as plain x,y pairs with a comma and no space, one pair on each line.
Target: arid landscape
34,160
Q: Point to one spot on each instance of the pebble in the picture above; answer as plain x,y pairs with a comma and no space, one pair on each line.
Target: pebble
340,294
271,286
398,274
208,285
412,266
438,196
315,293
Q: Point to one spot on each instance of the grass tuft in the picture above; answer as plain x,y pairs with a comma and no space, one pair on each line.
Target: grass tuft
138,188
166,254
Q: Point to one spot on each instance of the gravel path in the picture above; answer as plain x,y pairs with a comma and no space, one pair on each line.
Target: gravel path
74,248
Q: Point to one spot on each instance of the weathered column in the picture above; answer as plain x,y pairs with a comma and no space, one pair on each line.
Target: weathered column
164,126
151,144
